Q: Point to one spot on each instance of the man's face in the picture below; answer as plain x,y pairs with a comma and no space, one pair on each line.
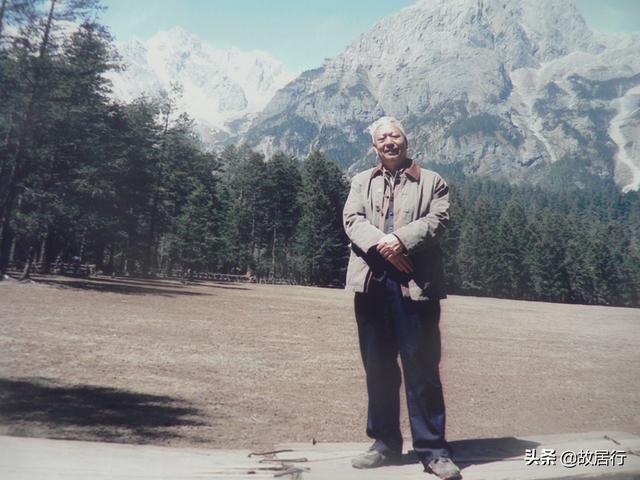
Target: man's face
391,146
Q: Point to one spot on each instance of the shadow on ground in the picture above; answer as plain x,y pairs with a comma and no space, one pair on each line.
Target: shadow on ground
485,450
139,281
217,284
481,450
170,283
41,407
116,286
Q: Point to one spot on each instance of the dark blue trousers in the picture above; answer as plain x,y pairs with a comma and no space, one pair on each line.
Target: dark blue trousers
390,324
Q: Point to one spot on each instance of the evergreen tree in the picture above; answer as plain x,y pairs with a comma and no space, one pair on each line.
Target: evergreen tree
451,241
36,77
478,248
549,260
245,176
611,265
282,189
321,241
199,243
513,242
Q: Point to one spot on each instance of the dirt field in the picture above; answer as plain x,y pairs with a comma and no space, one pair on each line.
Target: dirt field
231,365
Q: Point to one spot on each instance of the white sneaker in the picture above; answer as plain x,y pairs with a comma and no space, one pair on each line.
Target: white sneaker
444,468
372,458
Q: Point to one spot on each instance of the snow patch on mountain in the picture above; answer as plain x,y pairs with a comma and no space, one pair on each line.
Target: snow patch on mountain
526,86
218,85
624,130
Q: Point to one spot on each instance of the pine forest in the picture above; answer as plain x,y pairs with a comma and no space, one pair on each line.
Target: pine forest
131,189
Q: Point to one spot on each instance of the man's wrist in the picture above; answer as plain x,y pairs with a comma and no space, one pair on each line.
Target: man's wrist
403,248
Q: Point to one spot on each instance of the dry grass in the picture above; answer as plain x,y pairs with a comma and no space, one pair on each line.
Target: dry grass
228,365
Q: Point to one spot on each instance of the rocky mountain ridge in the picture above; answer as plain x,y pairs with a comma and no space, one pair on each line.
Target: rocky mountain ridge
520,90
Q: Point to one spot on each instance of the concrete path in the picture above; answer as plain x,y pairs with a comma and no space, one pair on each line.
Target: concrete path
495,459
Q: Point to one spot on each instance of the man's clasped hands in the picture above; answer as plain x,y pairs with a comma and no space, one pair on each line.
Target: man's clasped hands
392,250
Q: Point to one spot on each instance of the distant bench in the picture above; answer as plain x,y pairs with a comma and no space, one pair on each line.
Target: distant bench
90,270
75,269
222,277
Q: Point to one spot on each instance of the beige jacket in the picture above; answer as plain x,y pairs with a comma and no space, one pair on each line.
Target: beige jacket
420,218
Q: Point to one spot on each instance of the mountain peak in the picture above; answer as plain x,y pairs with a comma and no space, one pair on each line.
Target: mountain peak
501,88
219,85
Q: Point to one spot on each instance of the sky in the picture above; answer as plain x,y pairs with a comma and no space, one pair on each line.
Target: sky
300,33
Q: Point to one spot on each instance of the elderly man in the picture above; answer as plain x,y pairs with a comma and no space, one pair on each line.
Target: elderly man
395,216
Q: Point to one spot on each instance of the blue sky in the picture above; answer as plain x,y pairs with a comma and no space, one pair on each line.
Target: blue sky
300,33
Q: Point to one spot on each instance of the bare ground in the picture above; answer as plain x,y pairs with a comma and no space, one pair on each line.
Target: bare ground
248,366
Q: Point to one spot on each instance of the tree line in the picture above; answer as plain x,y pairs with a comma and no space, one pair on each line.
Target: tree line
131,189
524,242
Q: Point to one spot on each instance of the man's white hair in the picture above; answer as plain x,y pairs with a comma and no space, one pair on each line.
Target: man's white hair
385,121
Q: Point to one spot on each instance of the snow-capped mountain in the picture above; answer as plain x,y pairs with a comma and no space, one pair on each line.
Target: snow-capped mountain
219,86
520,89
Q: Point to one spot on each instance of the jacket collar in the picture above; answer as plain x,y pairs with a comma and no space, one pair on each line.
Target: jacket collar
413,170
